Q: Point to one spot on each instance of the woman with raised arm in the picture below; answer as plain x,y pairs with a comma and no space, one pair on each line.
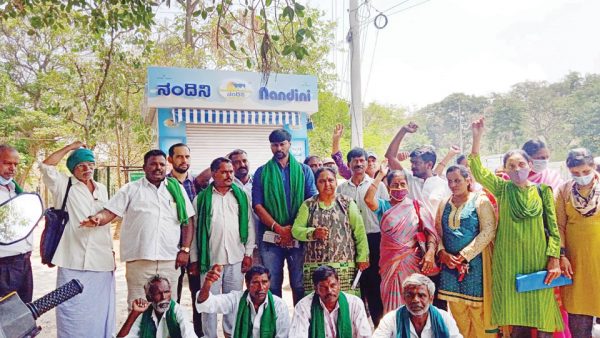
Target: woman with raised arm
399,219
521,245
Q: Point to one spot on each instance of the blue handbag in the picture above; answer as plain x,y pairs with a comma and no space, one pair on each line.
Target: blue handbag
55,220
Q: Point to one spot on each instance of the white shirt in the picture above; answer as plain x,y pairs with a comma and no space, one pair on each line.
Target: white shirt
7,192
150,228
387,327
80,248
358,317
229,303
247,187
162,331
431,191
225,244
357,193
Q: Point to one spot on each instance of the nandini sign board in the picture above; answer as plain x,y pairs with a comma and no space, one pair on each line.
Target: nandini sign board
216,89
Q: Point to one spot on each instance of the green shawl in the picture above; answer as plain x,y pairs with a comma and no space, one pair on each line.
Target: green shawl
243,323
274,192
18,188
317,319
523,202
440,330
174,188
204,216
148,328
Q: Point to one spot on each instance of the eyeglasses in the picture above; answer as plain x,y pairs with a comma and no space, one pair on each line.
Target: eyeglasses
85,165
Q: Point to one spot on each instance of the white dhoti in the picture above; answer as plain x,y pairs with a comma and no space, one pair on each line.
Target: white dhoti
90,314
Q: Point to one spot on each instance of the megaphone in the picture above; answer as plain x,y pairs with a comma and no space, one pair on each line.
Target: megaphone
17,319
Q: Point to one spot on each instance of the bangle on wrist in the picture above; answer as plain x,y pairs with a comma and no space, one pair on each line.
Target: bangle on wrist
273,225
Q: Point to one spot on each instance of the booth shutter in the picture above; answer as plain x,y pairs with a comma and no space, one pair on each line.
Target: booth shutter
209,141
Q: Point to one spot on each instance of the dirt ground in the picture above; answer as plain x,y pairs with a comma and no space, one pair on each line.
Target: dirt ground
44,279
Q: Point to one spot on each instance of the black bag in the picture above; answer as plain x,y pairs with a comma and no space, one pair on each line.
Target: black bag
56,220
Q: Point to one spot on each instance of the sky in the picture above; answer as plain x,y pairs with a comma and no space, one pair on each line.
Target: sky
440,47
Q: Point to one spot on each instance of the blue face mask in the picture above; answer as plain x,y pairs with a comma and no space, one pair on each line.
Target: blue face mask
4,181
583,180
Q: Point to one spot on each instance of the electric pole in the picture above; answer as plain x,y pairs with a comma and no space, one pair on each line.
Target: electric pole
355,79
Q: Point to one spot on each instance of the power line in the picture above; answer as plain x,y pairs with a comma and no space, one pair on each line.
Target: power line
409,7
396,5
371,66
396,12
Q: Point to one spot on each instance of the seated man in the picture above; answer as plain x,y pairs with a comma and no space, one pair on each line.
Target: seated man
154,322
418,318
336,314
259,313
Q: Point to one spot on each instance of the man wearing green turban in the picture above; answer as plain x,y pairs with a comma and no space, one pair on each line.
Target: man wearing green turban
79,156
82,254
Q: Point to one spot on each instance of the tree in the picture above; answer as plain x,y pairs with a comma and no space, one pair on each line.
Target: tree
448,121
584,114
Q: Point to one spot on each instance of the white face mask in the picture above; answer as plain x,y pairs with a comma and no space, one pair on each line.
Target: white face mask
4,181
539,165
583,180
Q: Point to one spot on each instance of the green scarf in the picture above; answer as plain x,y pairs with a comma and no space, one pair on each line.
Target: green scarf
523,203
317,319
148,328
204,216
174,187
440,330
272,182
18,188
243,323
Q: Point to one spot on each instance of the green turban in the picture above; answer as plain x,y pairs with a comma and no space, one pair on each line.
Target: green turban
78,156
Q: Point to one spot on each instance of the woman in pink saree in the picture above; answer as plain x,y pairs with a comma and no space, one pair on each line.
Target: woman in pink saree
401,253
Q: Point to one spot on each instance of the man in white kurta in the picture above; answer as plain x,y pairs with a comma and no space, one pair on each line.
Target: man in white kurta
157,303
225,245
257,283
417,293
151,228
326,283
85,254
423,185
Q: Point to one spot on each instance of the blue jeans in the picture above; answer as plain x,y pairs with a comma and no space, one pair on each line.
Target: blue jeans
273,257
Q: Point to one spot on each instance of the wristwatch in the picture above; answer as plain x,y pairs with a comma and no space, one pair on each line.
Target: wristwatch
185,249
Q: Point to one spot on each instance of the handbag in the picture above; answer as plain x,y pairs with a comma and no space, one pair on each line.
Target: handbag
546,230
421,239
56,220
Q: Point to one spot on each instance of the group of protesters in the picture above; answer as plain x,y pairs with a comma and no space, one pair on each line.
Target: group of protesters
427,251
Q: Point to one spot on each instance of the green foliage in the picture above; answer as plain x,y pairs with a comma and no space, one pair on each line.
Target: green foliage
96,16
565,114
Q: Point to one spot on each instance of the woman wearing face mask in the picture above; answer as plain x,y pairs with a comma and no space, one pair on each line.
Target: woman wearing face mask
334,232
541,174
540,157
466,223
399,223
521,245
578,215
